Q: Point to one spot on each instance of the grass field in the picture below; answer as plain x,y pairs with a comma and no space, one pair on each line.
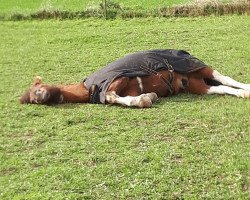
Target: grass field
53,9
190,147
76,5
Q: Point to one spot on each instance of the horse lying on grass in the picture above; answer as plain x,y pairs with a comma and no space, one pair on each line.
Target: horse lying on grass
138,80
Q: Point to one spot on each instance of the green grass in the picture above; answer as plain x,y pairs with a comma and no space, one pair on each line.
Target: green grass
28,10
191,147
17,10
76,5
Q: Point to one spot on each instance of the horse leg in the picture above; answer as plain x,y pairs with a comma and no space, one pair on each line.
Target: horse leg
117,87
222,89
141,101
227,81
197,84
229,86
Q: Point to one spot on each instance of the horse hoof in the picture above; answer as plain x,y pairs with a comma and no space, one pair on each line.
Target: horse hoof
153,96
247,87
144,101
111,97
245,94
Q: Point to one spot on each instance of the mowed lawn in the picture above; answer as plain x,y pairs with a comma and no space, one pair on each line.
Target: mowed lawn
187,146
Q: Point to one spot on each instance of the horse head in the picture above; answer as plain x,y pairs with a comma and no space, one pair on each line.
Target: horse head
40,93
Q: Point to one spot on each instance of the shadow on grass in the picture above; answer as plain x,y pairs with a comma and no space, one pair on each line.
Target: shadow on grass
180,98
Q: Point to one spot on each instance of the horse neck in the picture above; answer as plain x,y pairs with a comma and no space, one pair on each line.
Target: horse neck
74,93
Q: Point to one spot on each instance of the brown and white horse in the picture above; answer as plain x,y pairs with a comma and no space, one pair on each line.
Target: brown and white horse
139,92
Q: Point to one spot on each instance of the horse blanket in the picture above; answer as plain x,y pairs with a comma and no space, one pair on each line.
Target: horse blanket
133,65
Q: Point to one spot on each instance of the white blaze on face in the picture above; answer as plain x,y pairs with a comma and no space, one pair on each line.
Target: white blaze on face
38,94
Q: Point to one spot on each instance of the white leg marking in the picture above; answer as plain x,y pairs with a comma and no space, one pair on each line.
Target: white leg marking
127,101
142,101
140,83
221,89
226,80
113,98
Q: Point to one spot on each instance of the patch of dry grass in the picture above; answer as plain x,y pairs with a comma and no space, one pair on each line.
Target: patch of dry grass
207,7
115,10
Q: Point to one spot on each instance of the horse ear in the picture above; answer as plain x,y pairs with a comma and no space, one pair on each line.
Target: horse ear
37,80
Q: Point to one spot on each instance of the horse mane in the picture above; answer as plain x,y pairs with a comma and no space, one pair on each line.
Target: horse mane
25,98
55,94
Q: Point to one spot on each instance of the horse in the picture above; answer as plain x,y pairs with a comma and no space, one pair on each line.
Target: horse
138,80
